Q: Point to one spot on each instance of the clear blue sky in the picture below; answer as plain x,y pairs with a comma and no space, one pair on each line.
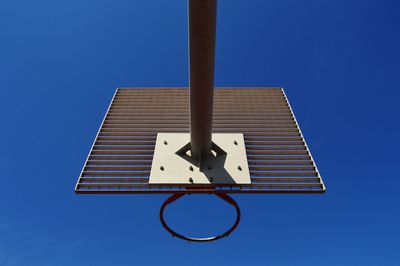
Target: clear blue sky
60,62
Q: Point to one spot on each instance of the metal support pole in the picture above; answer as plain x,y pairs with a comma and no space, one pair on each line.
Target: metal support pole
202,28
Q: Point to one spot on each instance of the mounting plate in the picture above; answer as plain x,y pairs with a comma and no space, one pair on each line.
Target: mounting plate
228,165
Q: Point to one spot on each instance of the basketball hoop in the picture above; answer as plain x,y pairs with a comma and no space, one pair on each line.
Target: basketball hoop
223,196
199,141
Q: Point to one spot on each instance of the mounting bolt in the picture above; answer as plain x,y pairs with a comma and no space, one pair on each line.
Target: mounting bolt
239,168
235,142
190,180
191,168
165,142
162,168
211,179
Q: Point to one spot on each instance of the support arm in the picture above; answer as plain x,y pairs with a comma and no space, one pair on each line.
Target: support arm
202,29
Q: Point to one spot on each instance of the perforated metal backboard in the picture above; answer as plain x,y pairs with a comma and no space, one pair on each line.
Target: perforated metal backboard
121,157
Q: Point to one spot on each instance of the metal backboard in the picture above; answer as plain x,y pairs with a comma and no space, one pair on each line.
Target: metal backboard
121,157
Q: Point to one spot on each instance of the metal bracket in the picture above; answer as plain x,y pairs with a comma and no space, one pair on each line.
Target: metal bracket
172,163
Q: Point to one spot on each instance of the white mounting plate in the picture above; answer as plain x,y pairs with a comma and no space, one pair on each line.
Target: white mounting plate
171,168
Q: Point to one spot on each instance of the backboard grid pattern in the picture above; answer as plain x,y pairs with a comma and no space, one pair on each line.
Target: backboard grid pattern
121,156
